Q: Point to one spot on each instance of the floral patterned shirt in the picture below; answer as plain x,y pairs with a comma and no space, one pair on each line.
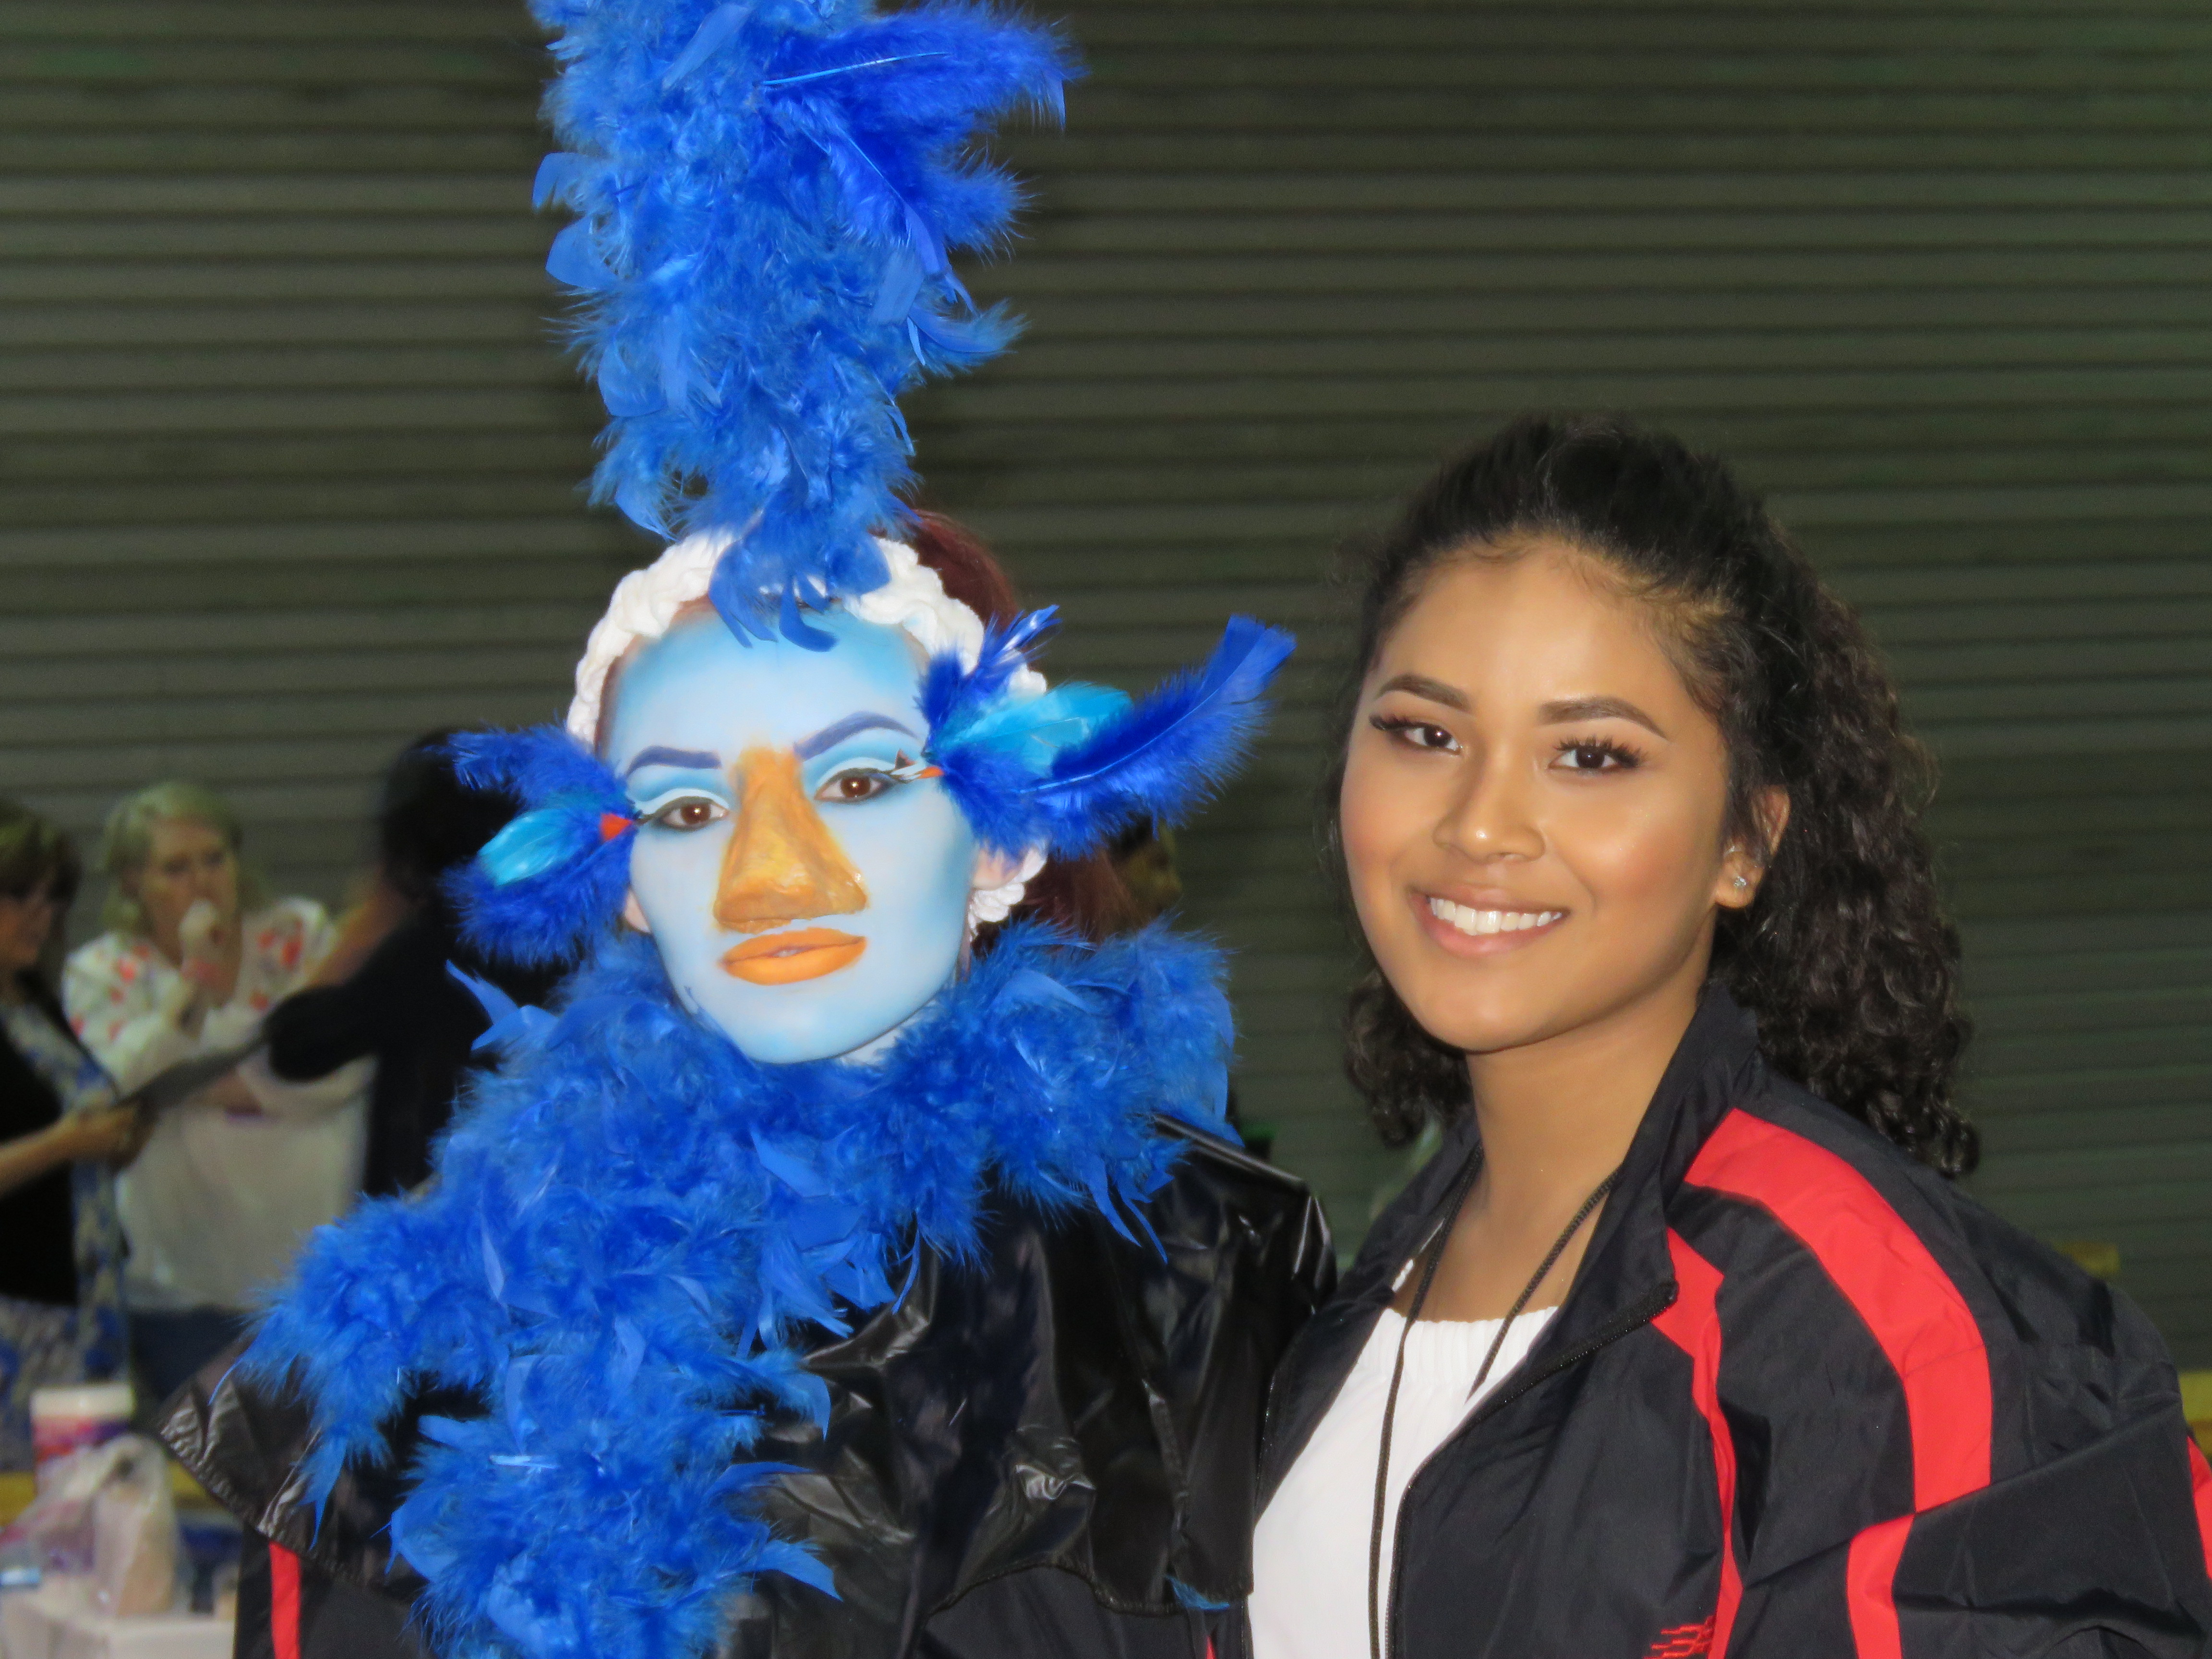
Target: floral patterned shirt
113,988
218,1201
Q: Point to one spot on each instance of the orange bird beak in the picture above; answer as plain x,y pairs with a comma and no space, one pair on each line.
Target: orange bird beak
782,864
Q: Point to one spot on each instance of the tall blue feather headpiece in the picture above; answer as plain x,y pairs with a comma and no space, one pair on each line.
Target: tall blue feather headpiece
768,195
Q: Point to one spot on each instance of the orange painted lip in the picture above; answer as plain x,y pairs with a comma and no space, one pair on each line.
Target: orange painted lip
787,958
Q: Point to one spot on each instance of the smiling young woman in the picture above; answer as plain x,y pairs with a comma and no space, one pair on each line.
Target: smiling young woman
1684,1345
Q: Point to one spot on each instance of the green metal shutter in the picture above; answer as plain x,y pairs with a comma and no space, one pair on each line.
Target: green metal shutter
289,468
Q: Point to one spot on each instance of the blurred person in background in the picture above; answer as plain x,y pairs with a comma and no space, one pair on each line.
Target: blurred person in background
228,1183
62,1135
385,992
1143,857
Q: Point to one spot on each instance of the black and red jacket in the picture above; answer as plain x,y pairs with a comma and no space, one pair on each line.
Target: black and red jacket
1805,1399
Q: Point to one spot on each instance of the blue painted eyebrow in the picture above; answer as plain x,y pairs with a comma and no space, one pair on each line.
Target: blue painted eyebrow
696,759
830,736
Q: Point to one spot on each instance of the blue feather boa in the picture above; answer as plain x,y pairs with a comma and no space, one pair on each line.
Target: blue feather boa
635,1227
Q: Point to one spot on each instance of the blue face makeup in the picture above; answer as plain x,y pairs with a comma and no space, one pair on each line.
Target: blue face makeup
802,898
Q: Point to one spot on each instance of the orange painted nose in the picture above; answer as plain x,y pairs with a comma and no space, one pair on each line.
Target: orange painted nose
782,864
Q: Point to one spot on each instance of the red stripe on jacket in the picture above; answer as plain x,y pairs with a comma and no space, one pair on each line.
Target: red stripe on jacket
1692,1324
2200,1490
284,1602
1869,1577
1915,1313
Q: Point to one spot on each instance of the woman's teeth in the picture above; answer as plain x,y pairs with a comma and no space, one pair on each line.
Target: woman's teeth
1469,921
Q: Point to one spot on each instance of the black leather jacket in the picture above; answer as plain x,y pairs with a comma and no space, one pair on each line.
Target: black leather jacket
1051,1450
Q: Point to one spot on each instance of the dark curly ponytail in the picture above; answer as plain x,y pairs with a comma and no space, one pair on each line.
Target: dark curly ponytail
1846,955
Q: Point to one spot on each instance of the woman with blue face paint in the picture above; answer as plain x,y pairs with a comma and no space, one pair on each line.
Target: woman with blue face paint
874,1272
851,1264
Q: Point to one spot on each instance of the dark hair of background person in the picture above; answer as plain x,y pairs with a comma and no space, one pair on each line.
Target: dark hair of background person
1846,955
38,1262
1086,896
34,854
396,1001
428,822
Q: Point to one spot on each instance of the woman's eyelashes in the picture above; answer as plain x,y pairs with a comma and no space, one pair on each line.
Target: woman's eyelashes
681,809
860,781
1596,755
1577,754
1412,734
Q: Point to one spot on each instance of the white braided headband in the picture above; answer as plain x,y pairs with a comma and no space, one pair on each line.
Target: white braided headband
645,602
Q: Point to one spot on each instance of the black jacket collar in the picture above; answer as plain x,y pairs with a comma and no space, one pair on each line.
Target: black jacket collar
1626,1276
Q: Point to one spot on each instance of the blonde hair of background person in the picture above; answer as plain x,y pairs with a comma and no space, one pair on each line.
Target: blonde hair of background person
230,1181
126,843
176,879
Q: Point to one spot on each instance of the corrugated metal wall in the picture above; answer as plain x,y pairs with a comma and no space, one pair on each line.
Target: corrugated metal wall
287,468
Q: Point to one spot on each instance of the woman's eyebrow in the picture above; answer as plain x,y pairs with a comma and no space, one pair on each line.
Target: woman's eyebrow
830,736
697,760
1596,709
1422,686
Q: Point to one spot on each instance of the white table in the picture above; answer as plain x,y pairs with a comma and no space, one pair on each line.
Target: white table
55,1621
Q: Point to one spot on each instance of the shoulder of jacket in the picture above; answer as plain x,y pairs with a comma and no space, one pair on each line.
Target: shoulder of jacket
1782,1125
1218,1197
1827,1184
1218,1161
1900,1242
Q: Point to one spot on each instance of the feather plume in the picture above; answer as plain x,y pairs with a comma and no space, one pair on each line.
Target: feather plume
1167,754
954,695
768,197
1065,769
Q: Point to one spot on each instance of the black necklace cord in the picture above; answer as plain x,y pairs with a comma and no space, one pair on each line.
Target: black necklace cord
1435,1247
1441,1238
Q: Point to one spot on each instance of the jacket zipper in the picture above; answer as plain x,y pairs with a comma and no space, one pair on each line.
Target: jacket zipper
1638,1313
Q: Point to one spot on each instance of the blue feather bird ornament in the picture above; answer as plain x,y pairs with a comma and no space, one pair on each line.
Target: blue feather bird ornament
1065,770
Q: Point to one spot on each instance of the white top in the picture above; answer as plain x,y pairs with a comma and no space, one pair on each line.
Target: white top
216,1205
1309,1555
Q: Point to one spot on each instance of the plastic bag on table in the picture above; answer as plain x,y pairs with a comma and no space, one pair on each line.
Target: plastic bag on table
107,1513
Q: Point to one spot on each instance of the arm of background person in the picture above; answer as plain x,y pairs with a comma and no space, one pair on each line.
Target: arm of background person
273,1096
134,1029
361,933
315,1031
108,1133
